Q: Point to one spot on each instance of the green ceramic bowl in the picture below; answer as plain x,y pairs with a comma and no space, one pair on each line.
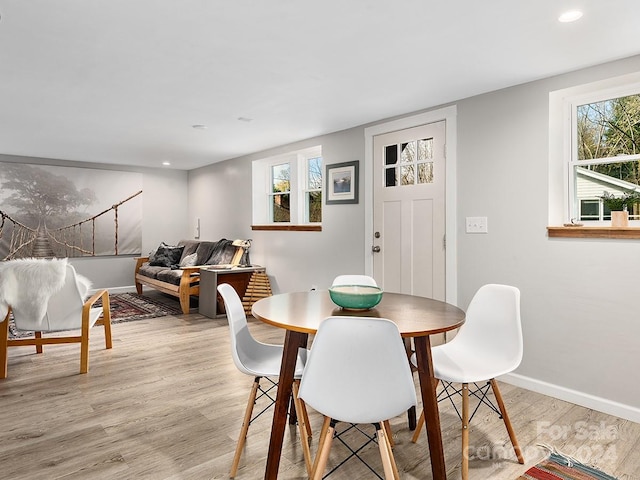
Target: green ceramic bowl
355,297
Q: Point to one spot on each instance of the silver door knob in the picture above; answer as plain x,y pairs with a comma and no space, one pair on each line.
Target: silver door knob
375,249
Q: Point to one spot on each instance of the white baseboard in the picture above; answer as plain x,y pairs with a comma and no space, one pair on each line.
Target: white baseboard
600,404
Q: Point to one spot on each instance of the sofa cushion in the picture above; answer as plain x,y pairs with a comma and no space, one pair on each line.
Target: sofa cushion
170,276
166,255
190,246
149,271
189,260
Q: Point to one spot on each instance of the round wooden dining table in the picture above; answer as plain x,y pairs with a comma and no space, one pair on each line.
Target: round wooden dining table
300,314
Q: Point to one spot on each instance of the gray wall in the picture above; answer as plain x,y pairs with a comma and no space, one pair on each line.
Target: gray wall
579,299
220,195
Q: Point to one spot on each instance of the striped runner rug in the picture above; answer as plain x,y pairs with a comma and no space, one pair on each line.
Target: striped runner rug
559,467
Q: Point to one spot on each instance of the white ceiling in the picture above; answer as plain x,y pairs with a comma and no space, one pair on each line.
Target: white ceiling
123,81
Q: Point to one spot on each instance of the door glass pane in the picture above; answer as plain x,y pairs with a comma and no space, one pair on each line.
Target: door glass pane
390,177
425,172
281,208
390,154
408,152
425,149
408,175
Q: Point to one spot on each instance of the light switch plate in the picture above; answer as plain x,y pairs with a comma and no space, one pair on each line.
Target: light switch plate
477,225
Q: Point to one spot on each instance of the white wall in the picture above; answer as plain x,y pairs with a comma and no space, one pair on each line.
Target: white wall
220,195
164,203
579,302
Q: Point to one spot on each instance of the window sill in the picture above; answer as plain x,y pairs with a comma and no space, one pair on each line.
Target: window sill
289,228
594,232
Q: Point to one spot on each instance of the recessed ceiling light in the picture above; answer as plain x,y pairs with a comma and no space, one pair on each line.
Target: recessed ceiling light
166,164
199,127
570,16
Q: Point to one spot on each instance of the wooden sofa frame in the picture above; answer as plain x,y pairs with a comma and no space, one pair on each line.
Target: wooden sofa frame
189,283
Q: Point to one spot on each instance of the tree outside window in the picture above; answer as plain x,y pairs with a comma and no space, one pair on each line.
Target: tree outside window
606,153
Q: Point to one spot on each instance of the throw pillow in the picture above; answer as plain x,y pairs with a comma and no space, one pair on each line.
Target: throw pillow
189,260
166,255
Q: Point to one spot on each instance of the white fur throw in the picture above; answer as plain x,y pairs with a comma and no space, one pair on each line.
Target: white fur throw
27,284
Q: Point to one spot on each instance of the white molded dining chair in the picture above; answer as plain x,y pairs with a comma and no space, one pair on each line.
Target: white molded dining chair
260,360
489,344
364,381
365,280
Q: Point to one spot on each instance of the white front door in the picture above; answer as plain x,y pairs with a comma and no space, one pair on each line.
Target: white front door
409,211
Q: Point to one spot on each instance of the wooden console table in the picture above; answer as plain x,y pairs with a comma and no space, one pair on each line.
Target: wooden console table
210,303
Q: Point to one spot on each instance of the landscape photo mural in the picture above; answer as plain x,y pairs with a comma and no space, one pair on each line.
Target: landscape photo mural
50,211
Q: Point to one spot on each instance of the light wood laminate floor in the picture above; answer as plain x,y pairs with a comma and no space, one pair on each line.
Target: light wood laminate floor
167,403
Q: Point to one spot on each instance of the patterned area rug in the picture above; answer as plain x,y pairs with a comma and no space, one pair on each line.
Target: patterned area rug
559,467
127,307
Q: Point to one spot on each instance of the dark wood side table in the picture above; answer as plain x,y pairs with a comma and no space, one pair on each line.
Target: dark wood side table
210,303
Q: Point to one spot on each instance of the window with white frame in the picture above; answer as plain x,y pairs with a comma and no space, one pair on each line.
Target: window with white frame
602,131
287,189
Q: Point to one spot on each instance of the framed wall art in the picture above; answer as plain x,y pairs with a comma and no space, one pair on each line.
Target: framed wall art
342,183
54,211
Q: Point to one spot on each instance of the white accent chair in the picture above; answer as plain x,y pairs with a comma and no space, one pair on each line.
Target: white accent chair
354,280
260,360
66,309
489,344
367,380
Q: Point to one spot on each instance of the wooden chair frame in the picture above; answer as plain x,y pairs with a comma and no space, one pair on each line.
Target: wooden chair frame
38,340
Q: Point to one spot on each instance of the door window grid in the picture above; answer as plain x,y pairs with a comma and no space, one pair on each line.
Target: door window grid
415,166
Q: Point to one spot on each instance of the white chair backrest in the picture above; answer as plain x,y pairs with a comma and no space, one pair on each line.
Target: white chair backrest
242,342
493,324
354,280
64,310
358,371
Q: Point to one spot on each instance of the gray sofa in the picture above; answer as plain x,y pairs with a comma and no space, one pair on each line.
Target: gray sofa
175,270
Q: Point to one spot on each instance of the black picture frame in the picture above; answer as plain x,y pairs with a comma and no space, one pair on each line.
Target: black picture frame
341,182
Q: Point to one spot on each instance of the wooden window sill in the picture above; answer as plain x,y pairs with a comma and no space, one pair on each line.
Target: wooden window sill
289,228
594,232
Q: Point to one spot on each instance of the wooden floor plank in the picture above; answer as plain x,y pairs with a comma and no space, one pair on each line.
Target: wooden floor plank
166,403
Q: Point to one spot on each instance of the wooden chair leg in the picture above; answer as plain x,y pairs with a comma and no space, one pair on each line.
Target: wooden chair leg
245,427
106,320
419,427
306,419
302,426
38,343
84,343
386,453
389,432
321,439
465,431
323,453
4,346
507,422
